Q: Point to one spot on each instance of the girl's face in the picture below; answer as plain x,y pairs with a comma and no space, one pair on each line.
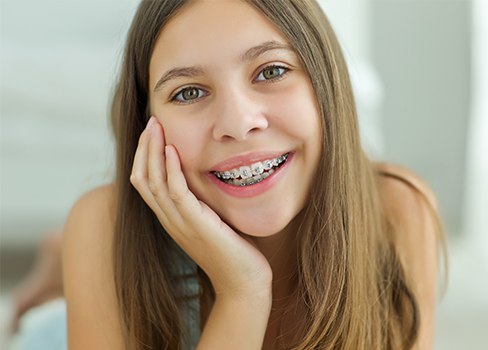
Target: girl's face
233,98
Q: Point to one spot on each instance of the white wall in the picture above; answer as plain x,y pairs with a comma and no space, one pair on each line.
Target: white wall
58,63
463,313
422,50
351,20
476,208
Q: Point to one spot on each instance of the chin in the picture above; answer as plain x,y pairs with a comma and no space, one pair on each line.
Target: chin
260,225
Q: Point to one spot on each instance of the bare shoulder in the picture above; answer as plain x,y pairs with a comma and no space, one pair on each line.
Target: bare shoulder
99,202
412,208
392,172
93,321
91,220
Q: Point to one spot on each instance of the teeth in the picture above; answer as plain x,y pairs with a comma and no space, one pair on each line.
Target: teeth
267,164
257,168
250,180
234,174
245,171
248,175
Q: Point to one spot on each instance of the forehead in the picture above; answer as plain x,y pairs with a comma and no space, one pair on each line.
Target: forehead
212,31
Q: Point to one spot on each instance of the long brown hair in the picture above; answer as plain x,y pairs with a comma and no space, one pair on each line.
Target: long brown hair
349,275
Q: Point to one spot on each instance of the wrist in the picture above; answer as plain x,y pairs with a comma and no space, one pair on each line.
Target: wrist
259,298
237,321
259,287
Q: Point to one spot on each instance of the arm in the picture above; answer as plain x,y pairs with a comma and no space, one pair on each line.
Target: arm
92,316
239,273
236,324
413,208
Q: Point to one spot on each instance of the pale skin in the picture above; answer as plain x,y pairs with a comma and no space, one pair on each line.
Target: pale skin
236,113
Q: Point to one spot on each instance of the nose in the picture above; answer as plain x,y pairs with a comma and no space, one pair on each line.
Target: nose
238,115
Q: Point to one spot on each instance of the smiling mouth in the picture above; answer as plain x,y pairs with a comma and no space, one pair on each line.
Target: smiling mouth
251,174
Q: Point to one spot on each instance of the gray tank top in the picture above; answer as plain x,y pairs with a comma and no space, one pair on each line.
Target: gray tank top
191,314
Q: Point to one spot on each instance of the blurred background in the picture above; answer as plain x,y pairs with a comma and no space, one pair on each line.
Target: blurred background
420,73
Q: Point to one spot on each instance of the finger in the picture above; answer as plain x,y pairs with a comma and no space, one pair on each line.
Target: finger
155,164
139,165
156,167
139,174
157,175
191,210
184,200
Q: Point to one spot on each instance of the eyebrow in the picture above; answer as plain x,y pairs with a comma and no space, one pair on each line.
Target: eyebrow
195,71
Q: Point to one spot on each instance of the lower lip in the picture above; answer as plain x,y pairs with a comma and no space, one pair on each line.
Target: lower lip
256,189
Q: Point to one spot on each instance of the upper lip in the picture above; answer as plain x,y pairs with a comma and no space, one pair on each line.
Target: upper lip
246,159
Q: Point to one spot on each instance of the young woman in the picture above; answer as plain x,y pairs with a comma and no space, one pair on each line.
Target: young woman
244,213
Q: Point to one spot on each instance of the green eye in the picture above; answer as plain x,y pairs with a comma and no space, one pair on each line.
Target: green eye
187,95
190,94
272,73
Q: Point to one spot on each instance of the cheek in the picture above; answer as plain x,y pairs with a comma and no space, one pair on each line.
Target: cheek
296,110
176,133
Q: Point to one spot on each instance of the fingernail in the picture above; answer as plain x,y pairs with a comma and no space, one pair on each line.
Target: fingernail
166,150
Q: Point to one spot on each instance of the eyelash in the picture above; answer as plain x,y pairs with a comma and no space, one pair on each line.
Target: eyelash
268,81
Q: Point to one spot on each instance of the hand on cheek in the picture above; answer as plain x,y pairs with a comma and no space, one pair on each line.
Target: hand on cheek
233,264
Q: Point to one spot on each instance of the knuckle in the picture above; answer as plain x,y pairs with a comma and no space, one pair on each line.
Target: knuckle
176,197
135,179
153,187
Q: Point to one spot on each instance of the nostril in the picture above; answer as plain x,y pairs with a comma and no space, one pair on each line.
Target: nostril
256,129
238,126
